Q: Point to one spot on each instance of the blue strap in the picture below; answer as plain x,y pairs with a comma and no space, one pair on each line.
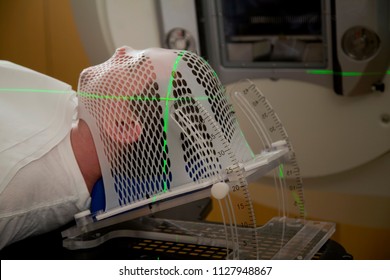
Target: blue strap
98,197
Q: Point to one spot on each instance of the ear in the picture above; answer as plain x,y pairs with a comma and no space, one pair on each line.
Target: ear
130,131
123,130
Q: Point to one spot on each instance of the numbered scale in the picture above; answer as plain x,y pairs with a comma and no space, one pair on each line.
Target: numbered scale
255,109
238,236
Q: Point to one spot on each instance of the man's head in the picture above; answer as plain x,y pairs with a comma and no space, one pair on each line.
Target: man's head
128,103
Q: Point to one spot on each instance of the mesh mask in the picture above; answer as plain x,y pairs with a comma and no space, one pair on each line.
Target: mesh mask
128,102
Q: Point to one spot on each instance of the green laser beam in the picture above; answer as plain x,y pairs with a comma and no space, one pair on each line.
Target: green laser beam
134,97
166,113
296,197
36,90
169,89
141,98
345,73
299,202
281,171
102,96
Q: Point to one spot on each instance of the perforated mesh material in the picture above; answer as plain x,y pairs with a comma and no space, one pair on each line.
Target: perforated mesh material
126,102
207,78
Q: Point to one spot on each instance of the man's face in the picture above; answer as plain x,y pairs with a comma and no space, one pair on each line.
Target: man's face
123,90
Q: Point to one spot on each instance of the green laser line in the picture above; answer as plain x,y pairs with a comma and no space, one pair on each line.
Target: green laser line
281,171
296,197
345,73
169,89
140,98
36,90
299,202
166,113
167,100
101,96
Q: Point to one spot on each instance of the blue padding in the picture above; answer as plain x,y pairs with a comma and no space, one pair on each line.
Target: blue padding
98,198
